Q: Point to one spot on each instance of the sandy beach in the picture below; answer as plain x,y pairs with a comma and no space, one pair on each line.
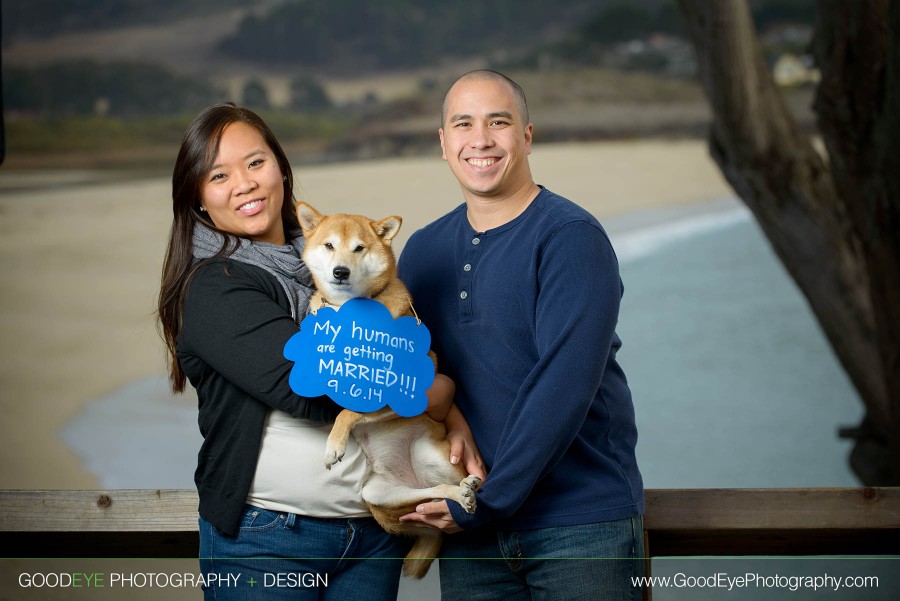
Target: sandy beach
81,257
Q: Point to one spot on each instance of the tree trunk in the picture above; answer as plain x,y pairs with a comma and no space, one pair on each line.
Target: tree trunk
832,223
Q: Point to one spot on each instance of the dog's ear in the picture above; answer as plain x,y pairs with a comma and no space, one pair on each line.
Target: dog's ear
309,217
387,228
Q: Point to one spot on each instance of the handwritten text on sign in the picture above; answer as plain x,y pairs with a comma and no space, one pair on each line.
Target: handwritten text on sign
362,358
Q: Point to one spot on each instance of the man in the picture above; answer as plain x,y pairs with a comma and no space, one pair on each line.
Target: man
520,289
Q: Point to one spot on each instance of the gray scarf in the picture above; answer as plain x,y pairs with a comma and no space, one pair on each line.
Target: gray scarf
283,262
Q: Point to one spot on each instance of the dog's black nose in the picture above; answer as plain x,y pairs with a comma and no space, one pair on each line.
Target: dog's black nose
341,273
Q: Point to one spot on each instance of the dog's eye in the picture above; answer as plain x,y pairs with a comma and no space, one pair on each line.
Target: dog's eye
359,249
329,246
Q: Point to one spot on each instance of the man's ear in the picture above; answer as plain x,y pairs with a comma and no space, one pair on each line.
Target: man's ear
441,136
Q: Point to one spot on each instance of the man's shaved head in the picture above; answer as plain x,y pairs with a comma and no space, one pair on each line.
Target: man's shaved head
488,75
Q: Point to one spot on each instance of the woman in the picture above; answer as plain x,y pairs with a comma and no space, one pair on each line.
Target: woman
234,290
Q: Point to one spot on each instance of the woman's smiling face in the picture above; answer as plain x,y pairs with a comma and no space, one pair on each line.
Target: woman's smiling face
244,190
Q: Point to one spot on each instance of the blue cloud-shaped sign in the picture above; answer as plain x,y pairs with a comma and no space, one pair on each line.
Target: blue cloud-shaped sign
362,358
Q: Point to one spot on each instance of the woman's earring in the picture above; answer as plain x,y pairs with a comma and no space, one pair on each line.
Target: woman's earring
202,208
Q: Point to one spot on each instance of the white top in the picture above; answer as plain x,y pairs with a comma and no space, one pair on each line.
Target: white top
291,475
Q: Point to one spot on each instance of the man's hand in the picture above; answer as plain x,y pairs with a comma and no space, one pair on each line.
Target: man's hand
435,515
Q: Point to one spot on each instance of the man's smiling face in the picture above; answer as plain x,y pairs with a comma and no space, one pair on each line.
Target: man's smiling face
484,139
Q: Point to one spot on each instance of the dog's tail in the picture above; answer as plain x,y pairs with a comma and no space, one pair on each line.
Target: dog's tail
423,552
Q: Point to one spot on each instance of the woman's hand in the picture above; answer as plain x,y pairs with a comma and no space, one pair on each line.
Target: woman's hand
462,443
442,409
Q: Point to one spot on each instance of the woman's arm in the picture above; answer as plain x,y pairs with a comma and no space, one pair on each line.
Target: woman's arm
234,327
440,397
441,408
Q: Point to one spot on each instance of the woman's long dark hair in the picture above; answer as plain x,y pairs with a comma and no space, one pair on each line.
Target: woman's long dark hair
199,148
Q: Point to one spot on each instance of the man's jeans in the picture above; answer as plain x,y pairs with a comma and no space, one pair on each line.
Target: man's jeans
285,556
588,562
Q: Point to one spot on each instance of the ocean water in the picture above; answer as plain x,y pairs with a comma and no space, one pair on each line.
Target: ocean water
733,382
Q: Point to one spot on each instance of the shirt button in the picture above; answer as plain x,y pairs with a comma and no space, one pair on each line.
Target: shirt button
463,295
467,267
476,241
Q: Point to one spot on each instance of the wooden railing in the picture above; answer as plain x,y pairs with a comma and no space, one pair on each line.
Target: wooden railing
802,521
677,522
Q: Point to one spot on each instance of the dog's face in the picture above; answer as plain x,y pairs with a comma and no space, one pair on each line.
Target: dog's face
349,256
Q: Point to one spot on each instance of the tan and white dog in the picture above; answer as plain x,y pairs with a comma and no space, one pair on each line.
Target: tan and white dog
350,256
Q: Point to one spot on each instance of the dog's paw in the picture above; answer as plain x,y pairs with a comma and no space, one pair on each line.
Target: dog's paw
467,488
467,499
471,482
333,455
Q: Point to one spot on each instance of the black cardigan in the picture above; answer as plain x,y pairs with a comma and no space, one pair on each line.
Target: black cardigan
236,322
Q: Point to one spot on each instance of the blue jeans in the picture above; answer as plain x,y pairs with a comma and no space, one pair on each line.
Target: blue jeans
285,556
590,562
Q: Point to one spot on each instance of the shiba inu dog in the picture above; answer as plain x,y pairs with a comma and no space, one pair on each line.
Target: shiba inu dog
350,256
